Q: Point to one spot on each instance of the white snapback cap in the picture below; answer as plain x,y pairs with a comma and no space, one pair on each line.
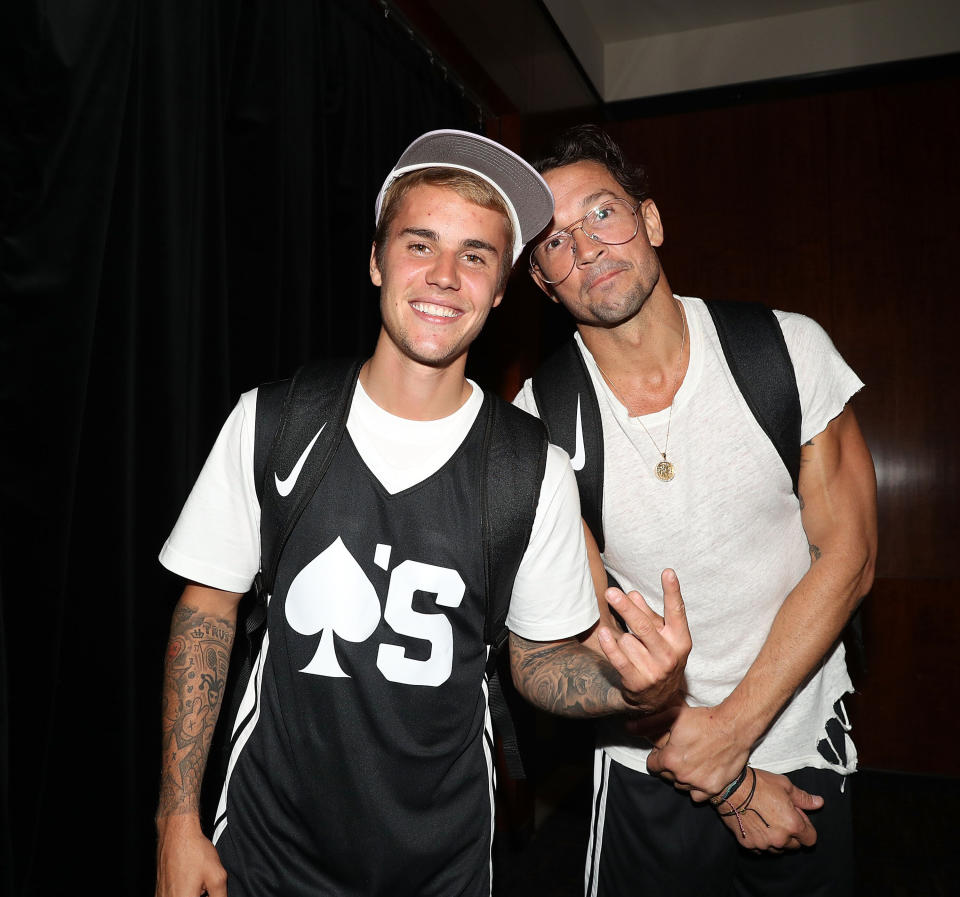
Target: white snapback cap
526,194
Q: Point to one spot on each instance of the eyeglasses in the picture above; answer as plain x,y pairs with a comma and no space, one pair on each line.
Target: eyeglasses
613,222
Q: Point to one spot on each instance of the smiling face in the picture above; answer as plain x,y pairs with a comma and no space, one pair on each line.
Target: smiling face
608,284
438,274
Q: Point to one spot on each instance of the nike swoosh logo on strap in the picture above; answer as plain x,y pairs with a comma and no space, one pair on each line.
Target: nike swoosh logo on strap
285,487
579,456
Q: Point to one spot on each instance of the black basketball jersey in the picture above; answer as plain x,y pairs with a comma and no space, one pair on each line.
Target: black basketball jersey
365,766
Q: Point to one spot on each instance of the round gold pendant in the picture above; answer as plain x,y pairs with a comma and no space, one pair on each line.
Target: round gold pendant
665,471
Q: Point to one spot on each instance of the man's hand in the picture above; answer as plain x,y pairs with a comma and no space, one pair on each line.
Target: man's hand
651,657
642,670
703,752
187,863
775,819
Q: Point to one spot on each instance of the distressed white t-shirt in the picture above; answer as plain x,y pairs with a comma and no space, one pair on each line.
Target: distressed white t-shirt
728,523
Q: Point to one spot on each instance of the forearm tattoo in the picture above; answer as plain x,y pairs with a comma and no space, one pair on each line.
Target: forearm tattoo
566,678
194,675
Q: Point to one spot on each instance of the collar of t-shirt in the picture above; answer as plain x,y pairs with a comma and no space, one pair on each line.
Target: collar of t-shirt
401,453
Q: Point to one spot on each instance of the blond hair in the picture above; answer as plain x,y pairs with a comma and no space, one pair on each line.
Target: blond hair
466,185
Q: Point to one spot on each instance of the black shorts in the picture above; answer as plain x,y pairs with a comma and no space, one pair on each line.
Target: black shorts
648,838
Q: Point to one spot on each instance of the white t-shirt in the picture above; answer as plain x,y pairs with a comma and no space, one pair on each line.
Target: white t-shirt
216,540
728,523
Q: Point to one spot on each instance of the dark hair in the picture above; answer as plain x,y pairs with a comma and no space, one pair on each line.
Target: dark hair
589,143
465,184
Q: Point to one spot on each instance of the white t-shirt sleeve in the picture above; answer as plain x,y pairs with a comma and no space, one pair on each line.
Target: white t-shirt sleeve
216,539
525,400
824,380
553,596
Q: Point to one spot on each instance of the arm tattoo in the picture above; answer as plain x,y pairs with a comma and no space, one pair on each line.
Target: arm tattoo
194,675
565,677
815,552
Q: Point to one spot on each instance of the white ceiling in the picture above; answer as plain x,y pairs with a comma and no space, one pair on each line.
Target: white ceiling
617,20
654,47
561,54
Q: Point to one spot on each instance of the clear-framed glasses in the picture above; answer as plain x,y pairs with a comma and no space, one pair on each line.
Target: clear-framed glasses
614,221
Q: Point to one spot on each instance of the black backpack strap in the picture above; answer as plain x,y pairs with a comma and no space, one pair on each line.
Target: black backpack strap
312,413
757,356
568,406
270,401
312,423
514,459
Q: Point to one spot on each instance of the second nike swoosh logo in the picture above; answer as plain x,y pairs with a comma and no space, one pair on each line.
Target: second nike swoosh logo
579,456
285,487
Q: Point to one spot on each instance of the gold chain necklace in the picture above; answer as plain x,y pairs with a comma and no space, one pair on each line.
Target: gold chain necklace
665,469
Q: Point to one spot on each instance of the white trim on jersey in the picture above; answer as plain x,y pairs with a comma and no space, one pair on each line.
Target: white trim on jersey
243,729
488,753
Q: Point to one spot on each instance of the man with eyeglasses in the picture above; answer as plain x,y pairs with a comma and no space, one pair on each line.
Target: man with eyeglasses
362,760
690,479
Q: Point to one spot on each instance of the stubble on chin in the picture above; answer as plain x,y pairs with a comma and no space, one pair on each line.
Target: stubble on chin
613,310
610,307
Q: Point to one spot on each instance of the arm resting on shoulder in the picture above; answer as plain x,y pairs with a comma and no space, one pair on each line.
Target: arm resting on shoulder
195,671
606,671
708,746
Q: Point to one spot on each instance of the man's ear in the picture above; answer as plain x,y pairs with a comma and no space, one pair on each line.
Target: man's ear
374,267
650,216
543,286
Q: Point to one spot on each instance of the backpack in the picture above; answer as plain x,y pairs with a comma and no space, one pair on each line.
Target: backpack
288,412
757,356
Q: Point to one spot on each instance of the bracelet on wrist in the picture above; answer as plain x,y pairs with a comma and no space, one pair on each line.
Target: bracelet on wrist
725,795
745,807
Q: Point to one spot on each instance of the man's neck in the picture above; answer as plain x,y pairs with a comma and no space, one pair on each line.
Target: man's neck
409,389
645,358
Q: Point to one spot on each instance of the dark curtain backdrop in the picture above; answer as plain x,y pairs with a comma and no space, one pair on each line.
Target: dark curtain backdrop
187,203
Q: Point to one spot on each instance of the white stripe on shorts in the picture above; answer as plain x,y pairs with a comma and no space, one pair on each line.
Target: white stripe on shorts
601,782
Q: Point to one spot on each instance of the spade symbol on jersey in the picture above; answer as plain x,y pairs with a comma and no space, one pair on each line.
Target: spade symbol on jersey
332,594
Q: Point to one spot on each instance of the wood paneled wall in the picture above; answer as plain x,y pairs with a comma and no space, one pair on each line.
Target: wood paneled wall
843,205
